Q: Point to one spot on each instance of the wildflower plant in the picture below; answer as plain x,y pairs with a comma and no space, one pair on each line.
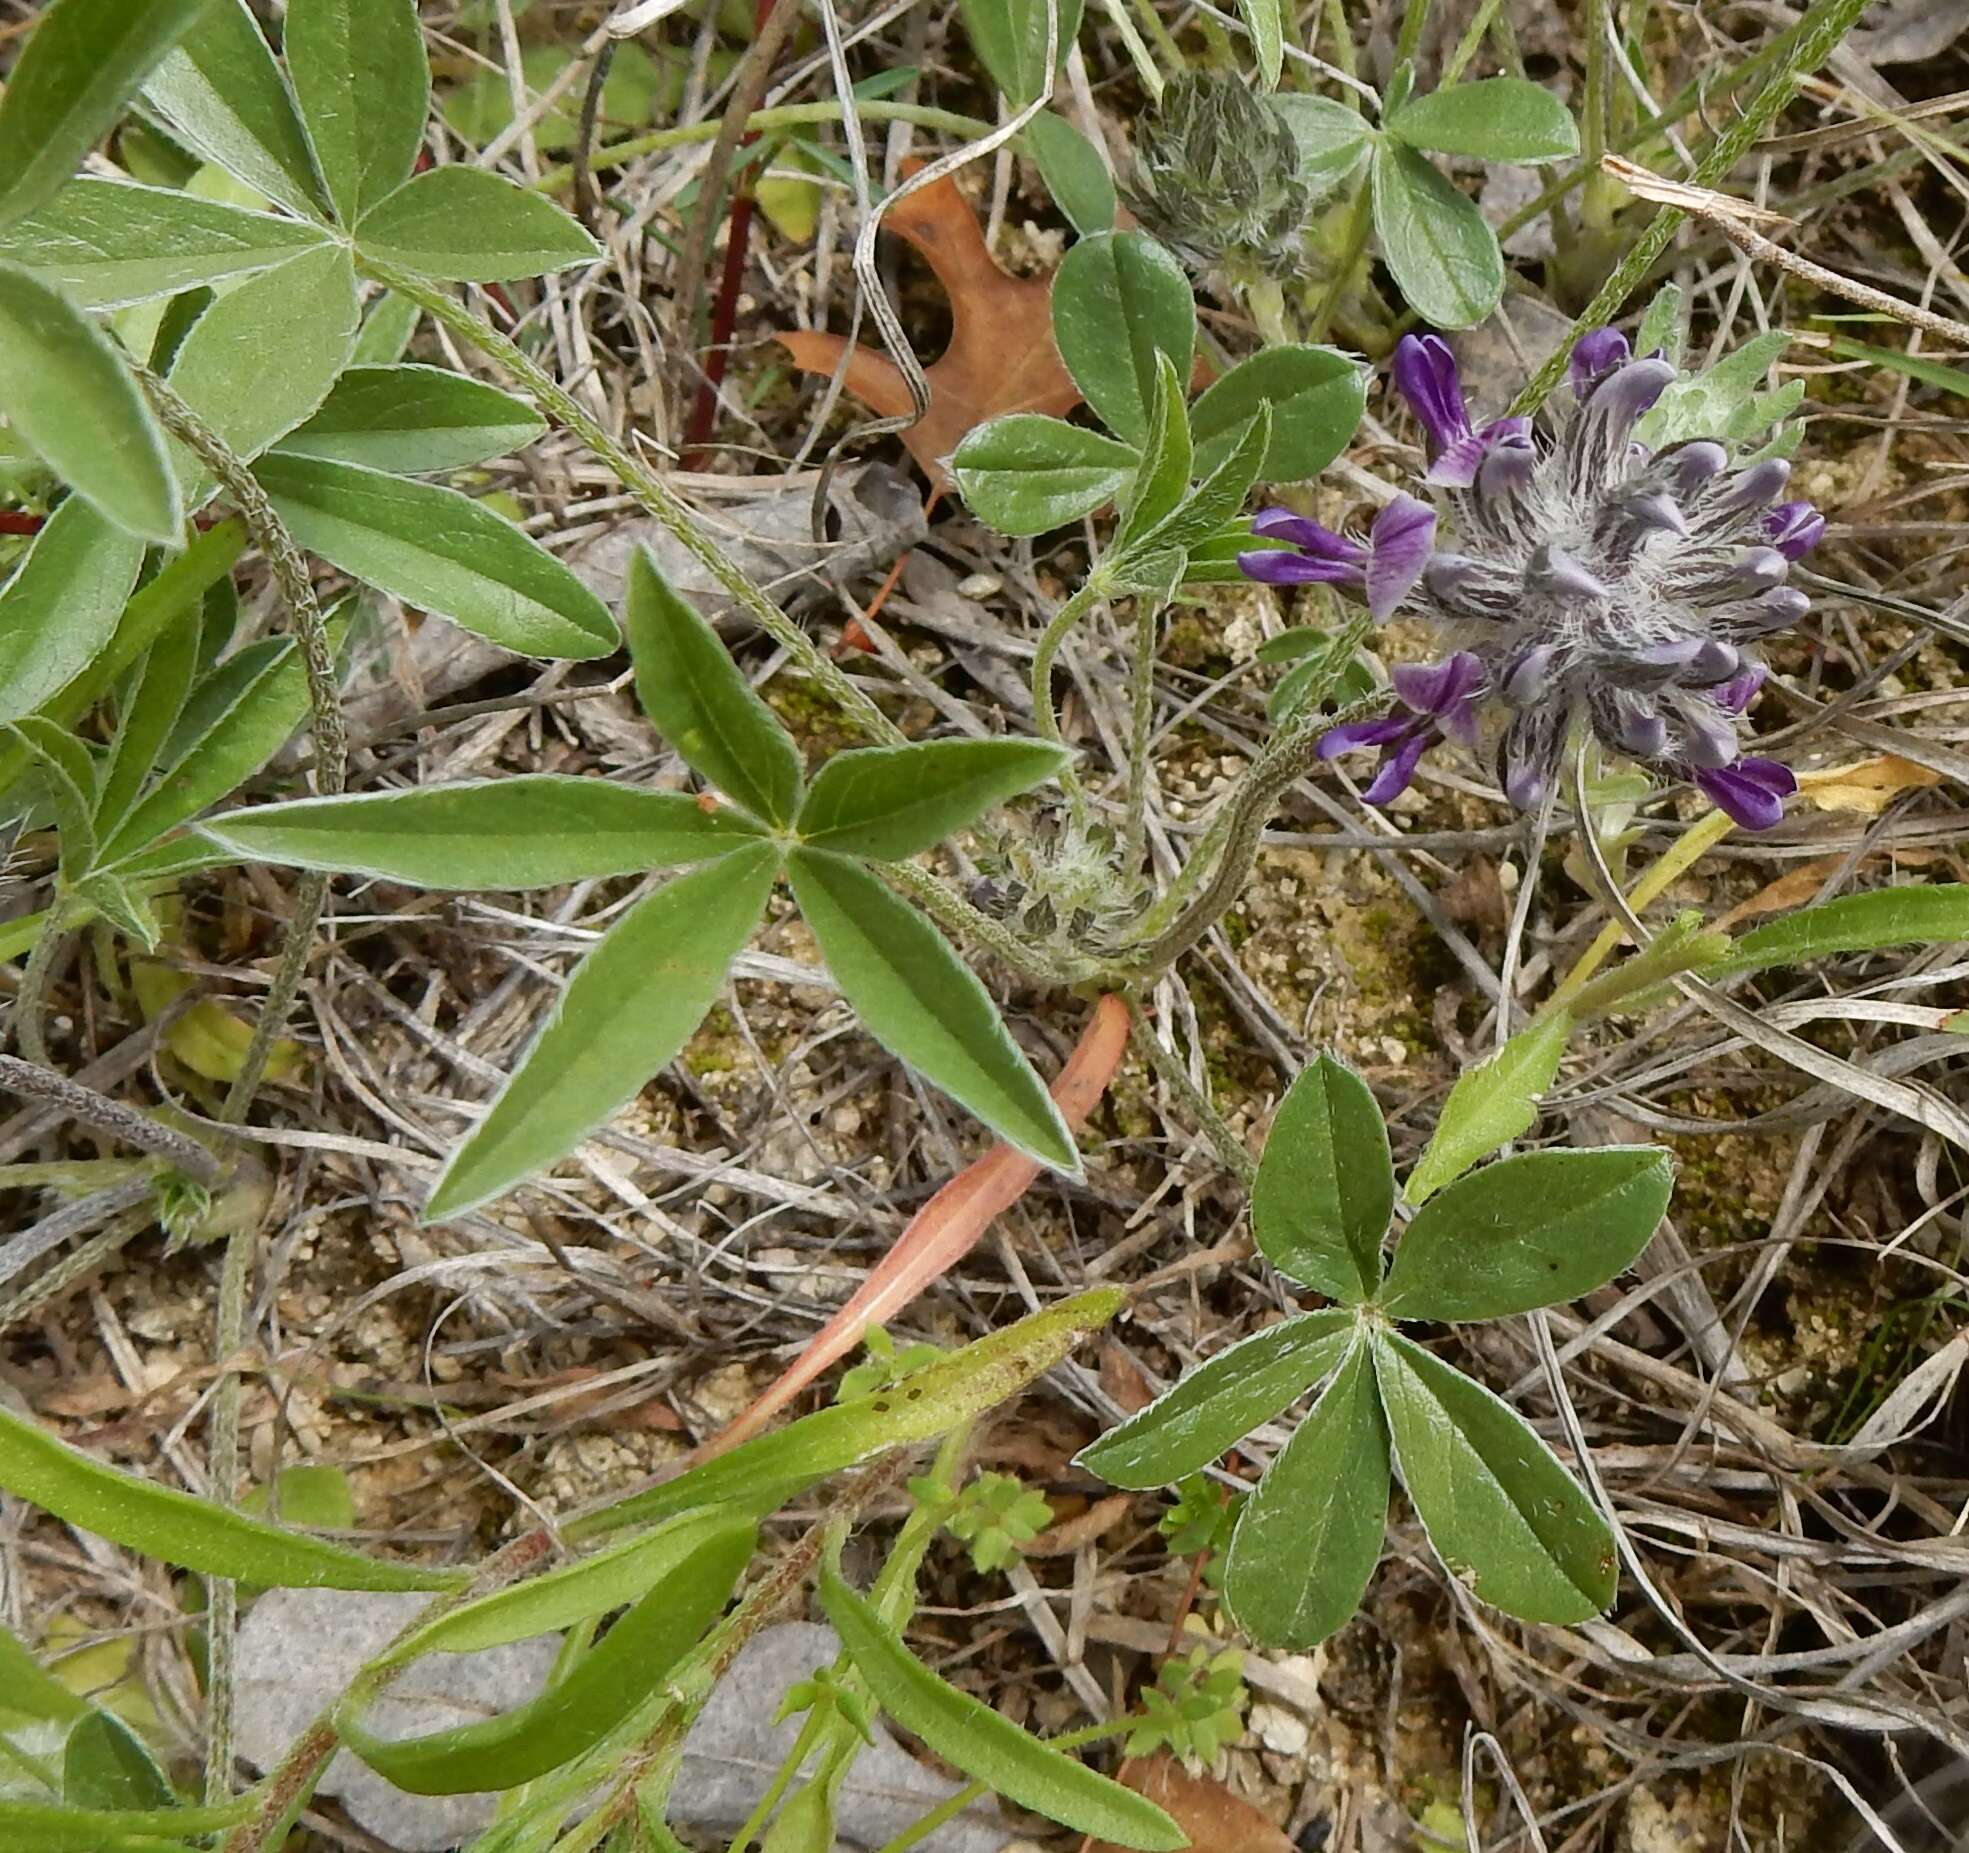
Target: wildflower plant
1504,1516
1588,583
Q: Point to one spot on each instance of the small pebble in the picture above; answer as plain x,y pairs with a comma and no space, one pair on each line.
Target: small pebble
1280,1730
980,585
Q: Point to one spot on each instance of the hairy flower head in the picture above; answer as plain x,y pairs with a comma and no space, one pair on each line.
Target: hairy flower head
1217,178
1589,582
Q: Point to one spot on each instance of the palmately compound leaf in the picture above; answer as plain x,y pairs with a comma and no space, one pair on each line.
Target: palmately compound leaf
924,1004
1535,1230
1506,1519
991,1749
708,1556
535,830
631,1004
1326,1185
1213,1407
1308,1539
702,704
892,802
70,82
69,395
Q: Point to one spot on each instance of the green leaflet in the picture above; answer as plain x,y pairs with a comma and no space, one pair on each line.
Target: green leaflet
1928,914
924,1004
150,710
1492,1103
1213,1407
178,1529
108,243
533,830
1435,240
1162,478
251,389
223,96
1119,299
1074,172
1267,29
892,802
1500,1511
68,779
701,702
215,748
983,1745
1530,1231
764,1472
1326,1187
705,1559
62,604
1497,119
439,550
1027,473
1316,395
606,1579
1009,37
1308,1539
77,70
364,88
68,393
464,225
630,1005
414,421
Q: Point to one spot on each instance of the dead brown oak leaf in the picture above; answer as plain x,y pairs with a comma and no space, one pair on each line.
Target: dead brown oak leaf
1001,356
1216,1820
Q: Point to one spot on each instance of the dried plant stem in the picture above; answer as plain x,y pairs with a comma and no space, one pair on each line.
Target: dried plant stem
111,1116
647,488
1833,282
1141,732
1819,33
63,1274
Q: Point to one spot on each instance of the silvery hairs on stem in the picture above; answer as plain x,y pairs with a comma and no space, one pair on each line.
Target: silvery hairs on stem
1590,582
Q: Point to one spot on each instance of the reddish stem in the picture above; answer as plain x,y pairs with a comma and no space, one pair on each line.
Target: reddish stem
724,313
14,522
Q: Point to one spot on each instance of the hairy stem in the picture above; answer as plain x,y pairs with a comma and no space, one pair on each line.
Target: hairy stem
295,590
958,917
1230,1150
30,998
1819,33
648,489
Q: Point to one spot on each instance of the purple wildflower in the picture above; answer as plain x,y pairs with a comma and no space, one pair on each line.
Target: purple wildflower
1590,583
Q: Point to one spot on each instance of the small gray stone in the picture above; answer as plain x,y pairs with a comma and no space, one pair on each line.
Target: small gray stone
298,1648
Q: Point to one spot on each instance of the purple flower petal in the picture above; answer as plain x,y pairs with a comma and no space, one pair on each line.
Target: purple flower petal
1397,768
1740,691
1694,464
1456,463
1752,791
1596,356
1625,394
1275,566
1761,483
1352,736
1425,375
1398,549
1319,541
1438,689
1794,528
1508,468
1526,679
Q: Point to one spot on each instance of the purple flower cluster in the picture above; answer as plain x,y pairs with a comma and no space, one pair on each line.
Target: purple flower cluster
1592,581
